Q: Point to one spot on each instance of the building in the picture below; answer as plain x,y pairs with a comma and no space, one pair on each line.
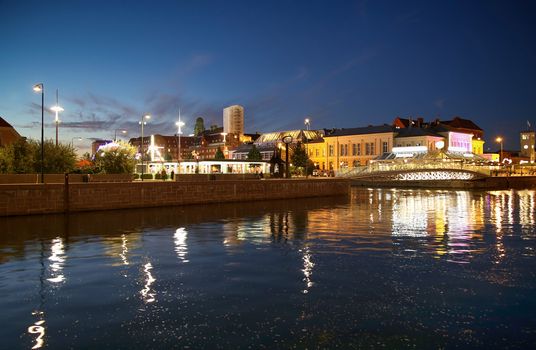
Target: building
233,120
96,144
356,146
527,141
8,134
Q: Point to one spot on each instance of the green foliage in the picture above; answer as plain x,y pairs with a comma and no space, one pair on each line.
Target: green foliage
147,176
299,157
254,155
199,126
116,158
219,154
24,156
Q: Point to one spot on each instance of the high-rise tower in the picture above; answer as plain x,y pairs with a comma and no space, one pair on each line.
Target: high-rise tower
233,120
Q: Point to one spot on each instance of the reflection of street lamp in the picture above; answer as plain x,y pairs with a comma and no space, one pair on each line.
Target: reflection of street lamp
286,140
224,134
500,140
115,133
57,109
41,88
142,123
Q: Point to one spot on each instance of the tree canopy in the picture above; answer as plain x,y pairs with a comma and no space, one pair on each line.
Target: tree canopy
254,154
116,158
299,157
219,154
24,156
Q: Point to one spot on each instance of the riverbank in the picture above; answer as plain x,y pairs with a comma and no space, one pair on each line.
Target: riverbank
485,183
30,199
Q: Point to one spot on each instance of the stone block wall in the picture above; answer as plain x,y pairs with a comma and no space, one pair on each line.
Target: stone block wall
51,198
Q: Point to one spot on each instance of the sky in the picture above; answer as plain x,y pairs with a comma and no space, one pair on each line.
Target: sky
340,63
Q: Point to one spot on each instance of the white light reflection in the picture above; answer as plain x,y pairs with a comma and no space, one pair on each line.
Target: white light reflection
181,248
58,259
307,270
124,249
39,329
147,293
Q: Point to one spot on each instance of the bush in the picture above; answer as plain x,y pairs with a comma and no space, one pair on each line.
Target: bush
136,176
147,176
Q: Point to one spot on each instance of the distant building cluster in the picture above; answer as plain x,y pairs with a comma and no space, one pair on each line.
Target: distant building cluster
328,149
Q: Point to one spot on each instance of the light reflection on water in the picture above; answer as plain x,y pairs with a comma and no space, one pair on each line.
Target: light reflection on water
382,267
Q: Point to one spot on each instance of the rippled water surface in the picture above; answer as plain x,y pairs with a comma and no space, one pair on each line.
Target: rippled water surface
379,268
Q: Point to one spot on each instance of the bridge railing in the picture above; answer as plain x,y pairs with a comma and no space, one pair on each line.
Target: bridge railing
379,167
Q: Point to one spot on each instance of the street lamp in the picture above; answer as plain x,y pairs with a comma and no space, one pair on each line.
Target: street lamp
500,140
179,125
57,109
41,88
123,131
307,123
142,123
75,138
286,140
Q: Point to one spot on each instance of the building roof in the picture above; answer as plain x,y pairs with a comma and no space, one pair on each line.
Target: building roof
4,124
410,132
461,123
371,129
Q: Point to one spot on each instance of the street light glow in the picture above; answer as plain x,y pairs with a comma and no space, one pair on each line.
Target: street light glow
38,87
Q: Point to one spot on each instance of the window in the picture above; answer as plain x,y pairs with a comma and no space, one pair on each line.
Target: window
330,150
372,148
344,150
367,149
317,152
354,149
358,149
385,147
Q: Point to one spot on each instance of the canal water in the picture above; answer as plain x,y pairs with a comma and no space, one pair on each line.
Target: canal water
378,268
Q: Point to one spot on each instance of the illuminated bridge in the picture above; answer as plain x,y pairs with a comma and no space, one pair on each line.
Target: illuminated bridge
426,171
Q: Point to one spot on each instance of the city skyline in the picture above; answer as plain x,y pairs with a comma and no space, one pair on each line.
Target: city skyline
349,65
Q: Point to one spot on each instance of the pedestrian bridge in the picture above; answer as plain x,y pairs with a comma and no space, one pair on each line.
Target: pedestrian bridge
417,172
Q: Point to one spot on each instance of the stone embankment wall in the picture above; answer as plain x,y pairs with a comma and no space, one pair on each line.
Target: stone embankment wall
26,199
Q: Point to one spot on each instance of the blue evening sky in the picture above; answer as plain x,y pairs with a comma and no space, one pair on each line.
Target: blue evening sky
340,63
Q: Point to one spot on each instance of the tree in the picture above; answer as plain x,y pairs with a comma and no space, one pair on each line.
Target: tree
116,158
254,154
199,127
24,156
299,157
219,154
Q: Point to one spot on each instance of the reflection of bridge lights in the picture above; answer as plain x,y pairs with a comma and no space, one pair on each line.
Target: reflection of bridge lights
307,269
146,292
58,258
181,248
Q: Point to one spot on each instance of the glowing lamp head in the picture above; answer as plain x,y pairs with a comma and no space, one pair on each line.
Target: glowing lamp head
179,124
38,87
57,109
307,121
499,139
440,144
147,116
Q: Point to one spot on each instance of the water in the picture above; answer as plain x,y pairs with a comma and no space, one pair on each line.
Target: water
379,268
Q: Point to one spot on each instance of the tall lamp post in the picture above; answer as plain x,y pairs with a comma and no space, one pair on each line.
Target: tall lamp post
179,125
41,88
287,140
307,123
142,122
123,131
57,109
500,141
